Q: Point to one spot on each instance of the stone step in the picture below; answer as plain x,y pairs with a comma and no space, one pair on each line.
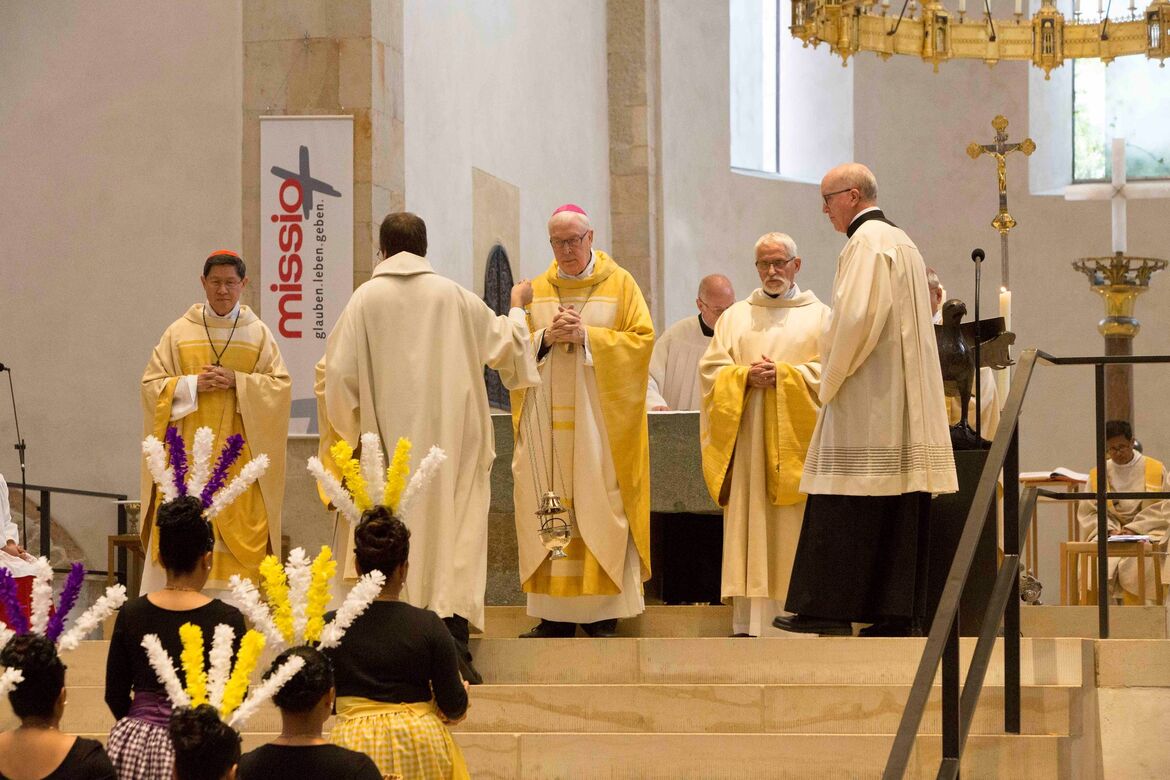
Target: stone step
709,660
824,660
1147,622
509,756
787,709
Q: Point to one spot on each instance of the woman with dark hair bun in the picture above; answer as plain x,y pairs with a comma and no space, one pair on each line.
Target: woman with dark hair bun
206,748
305,703
36,749
396,669
139,743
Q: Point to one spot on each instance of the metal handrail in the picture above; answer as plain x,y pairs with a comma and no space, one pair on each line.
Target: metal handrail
942,644
45,508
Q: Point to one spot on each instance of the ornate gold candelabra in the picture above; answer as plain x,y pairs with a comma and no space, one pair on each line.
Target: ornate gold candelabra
1046,39
1119,280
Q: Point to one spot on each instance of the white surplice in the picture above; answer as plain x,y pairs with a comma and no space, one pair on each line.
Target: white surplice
674,366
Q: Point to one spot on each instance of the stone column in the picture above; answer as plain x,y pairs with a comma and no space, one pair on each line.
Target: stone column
329,58
635,185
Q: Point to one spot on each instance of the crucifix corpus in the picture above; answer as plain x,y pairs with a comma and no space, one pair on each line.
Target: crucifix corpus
1118,278
1003,222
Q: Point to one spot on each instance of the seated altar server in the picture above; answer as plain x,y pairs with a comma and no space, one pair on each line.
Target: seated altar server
583,435
759,381
218,366
674,364
881,445
406,358
1128,471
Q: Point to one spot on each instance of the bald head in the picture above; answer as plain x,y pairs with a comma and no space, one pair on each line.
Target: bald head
848,190
715,296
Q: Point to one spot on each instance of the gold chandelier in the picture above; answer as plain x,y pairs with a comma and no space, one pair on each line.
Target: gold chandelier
852,26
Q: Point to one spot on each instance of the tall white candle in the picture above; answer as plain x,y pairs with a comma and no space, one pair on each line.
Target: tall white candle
1005,307
1019,7
962,6
1119,199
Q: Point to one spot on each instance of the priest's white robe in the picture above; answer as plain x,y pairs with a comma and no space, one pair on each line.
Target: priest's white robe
674,366
406,359
883,424
759,536
1150,516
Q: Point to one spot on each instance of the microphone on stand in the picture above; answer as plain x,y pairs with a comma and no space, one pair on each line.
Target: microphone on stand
977,255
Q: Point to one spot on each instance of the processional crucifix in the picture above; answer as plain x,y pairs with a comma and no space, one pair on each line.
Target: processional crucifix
1118,278
1003,222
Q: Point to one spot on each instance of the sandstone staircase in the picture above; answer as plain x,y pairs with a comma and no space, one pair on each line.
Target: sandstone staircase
681,699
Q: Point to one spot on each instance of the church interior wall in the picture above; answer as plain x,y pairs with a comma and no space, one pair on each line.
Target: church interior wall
120,149
517,90
912,126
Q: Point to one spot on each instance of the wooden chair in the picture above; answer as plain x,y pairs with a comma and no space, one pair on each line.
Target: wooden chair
1078,569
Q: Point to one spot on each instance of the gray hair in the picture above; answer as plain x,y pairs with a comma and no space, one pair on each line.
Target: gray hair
932,279
777,239
856,176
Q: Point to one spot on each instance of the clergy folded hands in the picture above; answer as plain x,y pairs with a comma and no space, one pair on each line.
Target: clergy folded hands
758,380
674,364
582,434
218,366
881,445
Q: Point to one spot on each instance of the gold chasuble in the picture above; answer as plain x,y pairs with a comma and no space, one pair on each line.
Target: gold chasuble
257,408
595,400
754,441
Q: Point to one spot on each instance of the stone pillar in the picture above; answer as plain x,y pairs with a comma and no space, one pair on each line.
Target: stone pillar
635,185
1119,380
340,57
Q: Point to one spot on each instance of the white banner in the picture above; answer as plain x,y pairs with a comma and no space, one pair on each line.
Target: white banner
306,242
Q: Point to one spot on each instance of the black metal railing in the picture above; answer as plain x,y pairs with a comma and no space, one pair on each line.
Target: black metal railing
44,510
942,644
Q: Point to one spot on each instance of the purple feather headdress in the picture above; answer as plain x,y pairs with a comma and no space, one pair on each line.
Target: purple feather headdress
68,599
17,619
231,451
177,449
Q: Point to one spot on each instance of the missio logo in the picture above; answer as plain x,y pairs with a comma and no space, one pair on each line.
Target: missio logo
295,198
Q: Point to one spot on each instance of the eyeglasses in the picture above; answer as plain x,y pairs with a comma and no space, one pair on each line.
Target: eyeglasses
221,284
838,192
779,265
713,309
568,243
1118,448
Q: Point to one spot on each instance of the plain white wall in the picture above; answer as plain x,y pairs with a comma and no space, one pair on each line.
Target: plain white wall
516,89
912,127
120,127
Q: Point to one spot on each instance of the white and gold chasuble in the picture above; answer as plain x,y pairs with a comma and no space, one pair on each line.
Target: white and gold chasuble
584,430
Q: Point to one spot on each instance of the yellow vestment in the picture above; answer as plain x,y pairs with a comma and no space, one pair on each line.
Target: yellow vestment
595,416
257,408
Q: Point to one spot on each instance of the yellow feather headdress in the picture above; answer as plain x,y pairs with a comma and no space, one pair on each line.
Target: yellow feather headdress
364,479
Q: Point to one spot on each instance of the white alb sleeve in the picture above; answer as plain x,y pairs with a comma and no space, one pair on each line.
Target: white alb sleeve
186,398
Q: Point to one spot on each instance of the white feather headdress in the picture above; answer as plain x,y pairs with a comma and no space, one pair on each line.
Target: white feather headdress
168,467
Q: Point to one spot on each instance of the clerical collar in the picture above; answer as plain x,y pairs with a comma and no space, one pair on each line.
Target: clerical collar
865,215
708,332
584,274
231,315
793,291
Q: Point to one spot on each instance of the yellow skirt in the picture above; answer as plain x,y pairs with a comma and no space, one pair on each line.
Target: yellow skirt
406,741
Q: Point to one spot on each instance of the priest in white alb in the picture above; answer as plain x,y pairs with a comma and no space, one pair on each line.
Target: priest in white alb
1129,471
759,381
406,359
218,366
583,435
881,446
674,364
